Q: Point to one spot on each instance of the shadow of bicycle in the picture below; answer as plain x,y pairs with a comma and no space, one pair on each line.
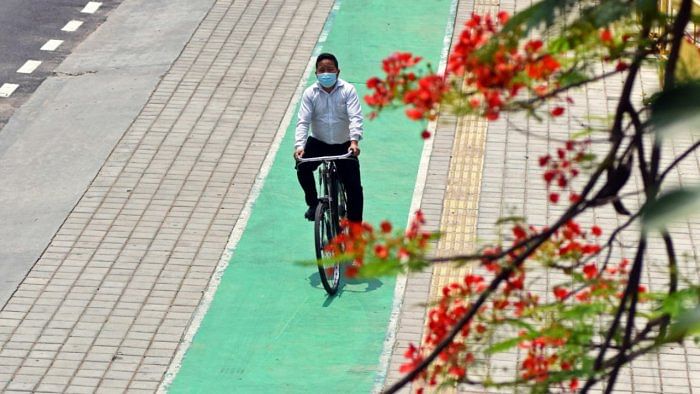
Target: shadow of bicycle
349,285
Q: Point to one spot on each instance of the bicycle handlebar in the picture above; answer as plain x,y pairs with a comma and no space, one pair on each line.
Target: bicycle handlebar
325,158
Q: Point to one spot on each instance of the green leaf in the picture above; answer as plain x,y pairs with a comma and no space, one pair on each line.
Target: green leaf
503,345
673,205
677,109
522,324
673,304
582,311
649,7
687,324
607,12
374,269
510,219
572,78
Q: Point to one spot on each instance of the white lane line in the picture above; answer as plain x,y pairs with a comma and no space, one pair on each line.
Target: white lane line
72,25
91,7
51,45
242,222
421,178
7,89
29,67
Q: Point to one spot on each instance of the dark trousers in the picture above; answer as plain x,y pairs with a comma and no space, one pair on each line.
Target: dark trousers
348,172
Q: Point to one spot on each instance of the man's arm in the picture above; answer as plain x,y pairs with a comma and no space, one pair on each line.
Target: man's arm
303,122
354,115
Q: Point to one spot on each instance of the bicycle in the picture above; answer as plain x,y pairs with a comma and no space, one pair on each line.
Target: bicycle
330,210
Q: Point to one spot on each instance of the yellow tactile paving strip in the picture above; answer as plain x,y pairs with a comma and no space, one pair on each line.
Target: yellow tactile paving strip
459,216
460,209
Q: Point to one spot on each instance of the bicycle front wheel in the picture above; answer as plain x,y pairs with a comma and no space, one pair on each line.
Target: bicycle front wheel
324,231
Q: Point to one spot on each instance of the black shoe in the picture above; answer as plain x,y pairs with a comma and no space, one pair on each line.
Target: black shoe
310,214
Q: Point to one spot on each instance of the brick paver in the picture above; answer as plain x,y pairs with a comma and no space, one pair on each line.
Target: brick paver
107,304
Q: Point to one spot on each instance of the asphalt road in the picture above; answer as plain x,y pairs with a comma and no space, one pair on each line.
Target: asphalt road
74,112
25,26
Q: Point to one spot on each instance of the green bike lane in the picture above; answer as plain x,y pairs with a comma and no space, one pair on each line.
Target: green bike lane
271,327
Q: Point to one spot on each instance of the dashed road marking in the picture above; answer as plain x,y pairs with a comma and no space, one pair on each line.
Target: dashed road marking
51,45
72,25
7,89
29,67
91,7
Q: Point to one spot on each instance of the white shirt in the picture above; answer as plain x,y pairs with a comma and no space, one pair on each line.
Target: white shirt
335,117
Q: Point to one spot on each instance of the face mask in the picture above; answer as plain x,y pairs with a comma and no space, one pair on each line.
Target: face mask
327,79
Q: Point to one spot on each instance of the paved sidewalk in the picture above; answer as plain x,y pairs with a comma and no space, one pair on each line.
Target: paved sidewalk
510,183
54,145
106,305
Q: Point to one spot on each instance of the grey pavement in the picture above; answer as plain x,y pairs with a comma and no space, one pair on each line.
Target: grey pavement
106,305
25,26
55,144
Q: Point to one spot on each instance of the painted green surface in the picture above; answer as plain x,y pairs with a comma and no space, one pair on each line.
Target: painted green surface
270,327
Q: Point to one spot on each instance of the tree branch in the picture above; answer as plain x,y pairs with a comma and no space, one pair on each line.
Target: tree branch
678,32
571,212
633,291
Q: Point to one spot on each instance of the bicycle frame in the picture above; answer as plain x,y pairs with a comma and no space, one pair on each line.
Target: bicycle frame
327,217
328,180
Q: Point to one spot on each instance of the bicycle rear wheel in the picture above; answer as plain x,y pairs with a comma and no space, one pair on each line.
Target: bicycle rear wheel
324,231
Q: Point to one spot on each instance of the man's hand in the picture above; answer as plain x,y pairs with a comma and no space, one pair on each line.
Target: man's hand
298,153
354,148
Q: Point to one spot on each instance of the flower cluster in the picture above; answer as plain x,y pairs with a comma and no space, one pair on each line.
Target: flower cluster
396,82
547,342
496,73
362,244
425,98
421,94
563,167
496,67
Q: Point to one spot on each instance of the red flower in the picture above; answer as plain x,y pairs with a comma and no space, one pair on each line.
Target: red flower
457,371
381,251
554,197
500,304
595,230
583,296
533,46
560,293
386,227
606,35
590,271
414,113
471,279
373,82
351,271
562,182
557,111
573,385
519,233
548,176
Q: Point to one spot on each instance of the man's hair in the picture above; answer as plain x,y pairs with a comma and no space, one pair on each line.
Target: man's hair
325,56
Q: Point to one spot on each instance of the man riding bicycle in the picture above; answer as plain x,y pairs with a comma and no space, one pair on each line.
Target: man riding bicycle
332,108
